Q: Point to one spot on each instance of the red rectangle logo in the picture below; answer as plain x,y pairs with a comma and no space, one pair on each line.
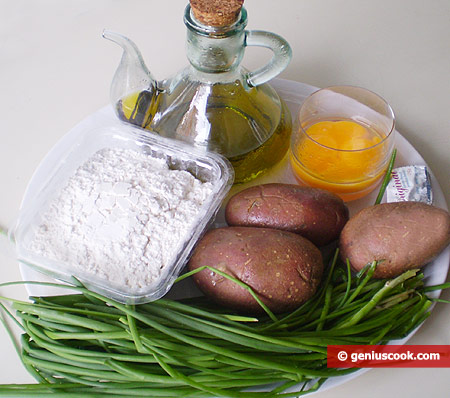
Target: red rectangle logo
388,356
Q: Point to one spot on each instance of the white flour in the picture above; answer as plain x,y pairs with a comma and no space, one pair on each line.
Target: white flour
122,217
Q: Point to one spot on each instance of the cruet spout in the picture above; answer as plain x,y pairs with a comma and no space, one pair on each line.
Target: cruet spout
133,87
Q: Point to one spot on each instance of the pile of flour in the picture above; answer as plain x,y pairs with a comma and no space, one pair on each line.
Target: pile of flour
122,217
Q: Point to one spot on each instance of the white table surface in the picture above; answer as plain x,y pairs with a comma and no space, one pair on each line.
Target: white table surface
55,70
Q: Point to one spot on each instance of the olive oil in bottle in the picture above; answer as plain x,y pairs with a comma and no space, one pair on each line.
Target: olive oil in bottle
214,103
253,138
254,163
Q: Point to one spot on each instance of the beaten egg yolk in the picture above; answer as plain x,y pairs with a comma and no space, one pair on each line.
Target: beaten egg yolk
340,156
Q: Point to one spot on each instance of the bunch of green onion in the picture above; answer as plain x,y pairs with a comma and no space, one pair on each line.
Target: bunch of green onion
87,345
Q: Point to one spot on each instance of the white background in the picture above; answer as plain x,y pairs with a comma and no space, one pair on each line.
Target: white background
55,70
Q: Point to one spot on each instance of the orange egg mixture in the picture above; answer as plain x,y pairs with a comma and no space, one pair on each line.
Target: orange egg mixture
341,156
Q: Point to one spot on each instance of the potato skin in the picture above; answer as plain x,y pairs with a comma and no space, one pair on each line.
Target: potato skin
400,235
283,268
314,213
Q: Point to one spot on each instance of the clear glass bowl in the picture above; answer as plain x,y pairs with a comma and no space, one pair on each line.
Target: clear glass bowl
342,141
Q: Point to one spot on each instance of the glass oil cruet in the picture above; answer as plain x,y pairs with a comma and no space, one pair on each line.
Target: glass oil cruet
214,102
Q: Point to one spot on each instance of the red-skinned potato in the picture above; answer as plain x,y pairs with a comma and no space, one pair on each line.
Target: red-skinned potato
283,268
314,213
399,236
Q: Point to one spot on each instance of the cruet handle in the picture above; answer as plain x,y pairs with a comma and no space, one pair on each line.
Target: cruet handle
282,55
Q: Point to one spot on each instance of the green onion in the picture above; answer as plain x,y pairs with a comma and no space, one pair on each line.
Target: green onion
387,177
86,345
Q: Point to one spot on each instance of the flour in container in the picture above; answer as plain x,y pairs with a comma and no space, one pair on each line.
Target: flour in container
122,217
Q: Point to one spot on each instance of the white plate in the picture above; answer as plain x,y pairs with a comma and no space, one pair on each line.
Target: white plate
293,94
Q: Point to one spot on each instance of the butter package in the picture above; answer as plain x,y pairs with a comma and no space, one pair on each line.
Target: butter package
410,183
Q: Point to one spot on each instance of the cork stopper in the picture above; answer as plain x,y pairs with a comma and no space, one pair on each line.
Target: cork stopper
216,12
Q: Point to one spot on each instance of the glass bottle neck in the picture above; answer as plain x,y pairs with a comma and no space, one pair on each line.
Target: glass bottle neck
215,49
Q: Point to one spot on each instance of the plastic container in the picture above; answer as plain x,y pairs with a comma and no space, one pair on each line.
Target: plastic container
208,167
